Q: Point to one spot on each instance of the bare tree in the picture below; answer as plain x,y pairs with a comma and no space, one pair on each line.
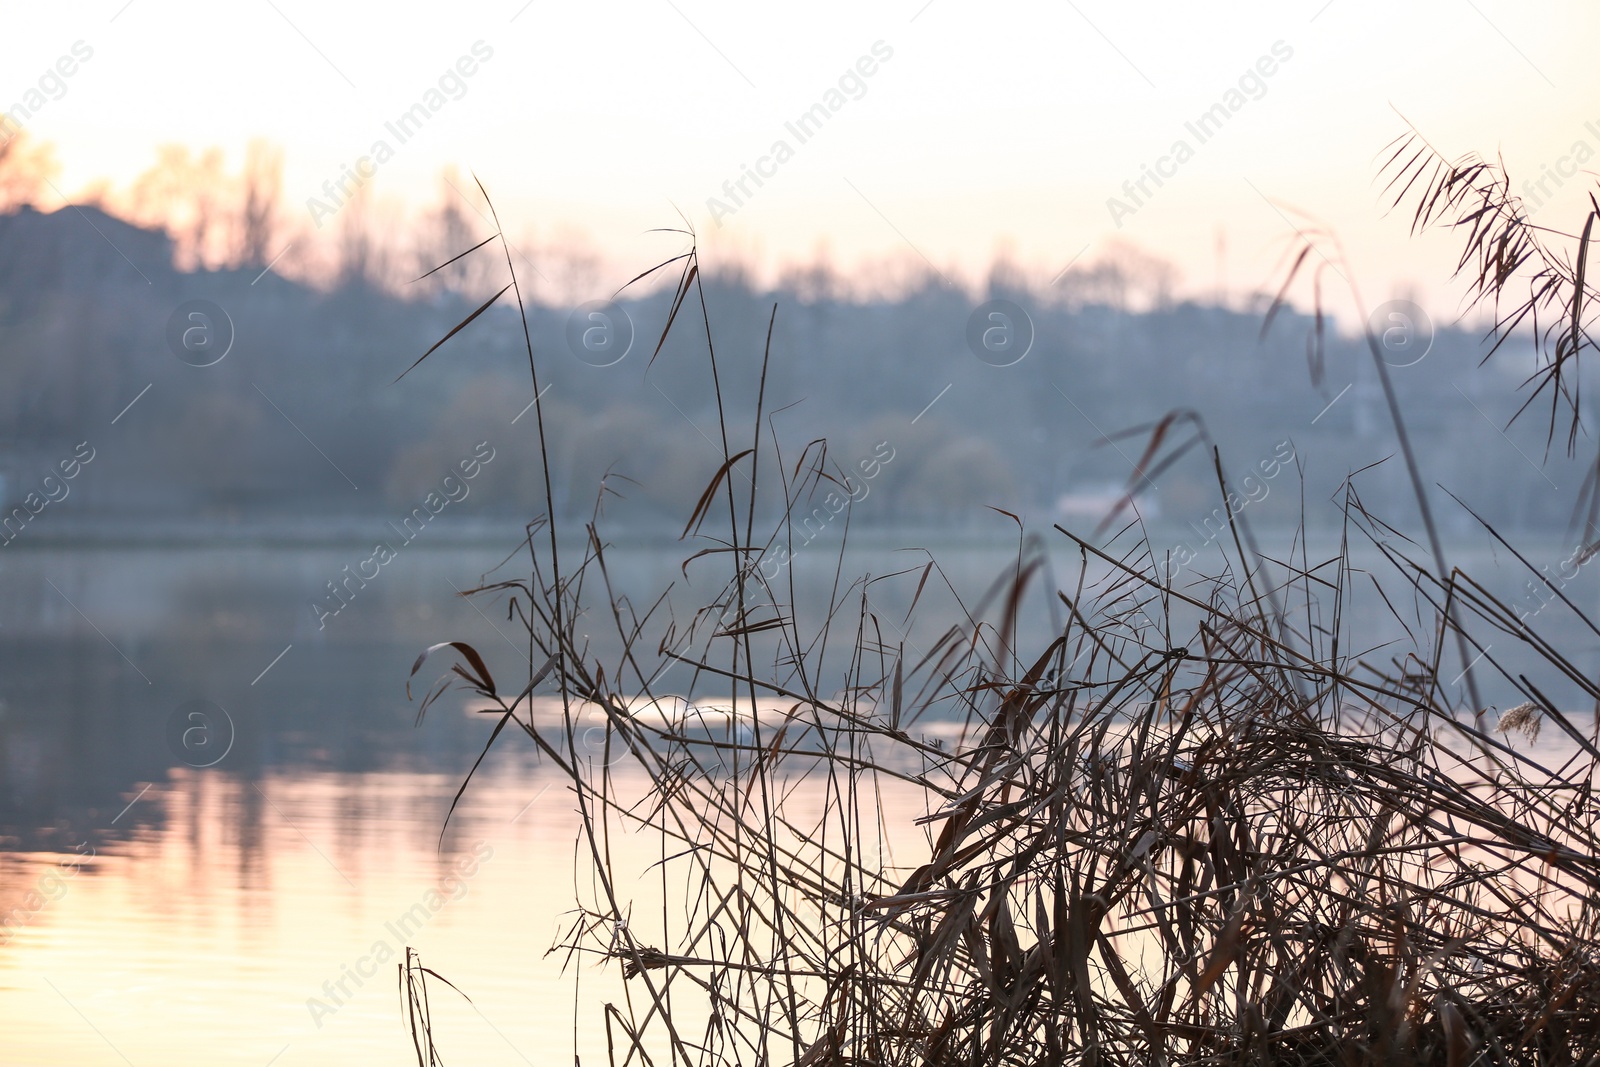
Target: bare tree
262,185
182,194
1122,276
365,253
446,232
816,281
25,169
575,270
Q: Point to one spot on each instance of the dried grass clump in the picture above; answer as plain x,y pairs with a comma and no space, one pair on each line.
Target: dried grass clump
1523,719
1198,825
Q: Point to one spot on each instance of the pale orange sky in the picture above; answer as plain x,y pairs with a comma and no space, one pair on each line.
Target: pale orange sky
1002,125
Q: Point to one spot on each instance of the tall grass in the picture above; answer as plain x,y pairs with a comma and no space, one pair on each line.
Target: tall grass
1200,822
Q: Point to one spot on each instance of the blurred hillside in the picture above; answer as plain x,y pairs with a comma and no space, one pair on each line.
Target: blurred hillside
303,420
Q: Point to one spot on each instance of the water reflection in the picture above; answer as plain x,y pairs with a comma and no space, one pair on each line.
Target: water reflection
253,918
253,912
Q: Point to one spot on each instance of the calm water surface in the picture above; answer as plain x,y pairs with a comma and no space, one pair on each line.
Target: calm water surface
252,912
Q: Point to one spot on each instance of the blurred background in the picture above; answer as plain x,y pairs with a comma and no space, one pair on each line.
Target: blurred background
1002,243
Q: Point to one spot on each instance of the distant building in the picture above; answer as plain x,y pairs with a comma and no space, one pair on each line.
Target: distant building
1095,502
77,247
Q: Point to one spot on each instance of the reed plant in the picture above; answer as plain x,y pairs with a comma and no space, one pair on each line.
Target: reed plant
1204,819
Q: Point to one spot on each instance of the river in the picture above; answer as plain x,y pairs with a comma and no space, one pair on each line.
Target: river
158,906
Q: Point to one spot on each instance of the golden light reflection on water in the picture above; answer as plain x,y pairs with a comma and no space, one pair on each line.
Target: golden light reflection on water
257,922
260,921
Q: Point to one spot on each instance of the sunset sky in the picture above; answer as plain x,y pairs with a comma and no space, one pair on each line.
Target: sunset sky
975,128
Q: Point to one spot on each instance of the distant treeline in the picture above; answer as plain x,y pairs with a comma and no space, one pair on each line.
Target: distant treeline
303,416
